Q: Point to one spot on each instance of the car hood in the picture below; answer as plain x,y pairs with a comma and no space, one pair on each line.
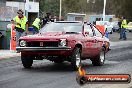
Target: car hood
48,36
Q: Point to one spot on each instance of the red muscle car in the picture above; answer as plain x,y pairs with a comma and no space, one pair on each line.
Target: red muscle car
64,41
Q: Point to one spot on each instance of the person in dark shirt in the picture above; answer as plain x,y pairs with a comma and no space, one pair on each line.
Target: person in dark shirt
119,24
0,34
46,18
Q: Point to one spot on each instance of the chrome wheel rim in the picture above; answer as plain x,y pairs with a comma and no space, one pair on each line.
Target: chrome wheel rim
78,60
102,57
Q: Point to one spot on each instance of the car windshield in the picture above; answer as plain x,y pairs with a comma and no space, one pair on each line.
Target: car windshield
62,27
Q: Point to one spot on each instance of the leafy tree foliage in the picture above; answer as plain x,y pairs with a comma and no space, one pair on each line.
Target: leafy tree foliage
51,6
117,7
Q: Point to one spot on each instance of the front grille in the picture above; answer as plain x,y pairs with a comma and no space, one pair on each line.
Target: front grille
43,44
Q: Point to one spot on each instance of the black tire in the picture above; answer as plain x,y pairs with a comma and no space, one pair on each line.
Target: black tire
114,30
26,61
99,59
76,58
111,32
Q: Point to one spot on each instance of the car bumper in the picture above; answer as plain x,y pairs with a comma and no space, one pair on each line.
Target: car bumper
109,30
115,28
21,49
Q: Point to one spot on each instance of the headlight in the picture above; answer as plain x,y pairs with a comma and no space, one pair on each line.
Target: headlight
63,42
22,43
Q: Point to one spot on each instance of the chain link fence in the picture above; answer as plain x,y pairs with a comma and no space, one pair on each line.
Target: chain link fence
7,13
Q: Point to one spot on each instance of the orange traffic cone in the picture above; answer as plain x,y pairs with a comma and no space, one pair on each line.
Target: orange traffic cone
13,38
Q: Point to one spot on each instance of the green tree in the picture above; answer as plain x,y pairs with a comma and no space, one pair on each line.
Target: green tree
117,7
51,6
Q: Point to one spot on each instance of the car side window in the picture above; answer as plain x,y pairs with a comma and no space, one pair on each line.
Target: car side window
97,32
87,28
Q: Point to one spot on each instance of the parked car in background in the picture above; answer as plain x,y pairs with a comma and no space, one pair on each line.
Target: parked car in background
129,27
107,24
64,41
115,26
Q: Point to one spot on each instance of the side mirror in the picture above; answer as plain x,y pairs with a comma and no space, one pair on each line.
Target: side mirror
86,33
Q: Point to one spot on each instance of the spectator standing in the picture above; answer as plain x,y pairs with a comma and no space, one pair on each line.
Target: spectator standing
36,25
123,29
106,34
119,24
47,18
21,25
0,34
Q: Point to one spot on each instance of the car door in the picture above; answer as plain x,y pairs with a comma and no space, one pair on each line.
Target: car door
99,40
89,40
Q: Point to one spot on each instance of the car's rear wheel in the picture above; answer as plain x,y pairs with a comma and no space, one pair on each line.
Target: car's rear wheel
76,58
114,30
111,32
130,31
99,59
27,61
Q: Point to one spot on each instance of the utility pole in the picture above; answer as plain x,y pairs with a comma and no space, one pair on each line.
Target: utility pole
60,9
104,10
87,1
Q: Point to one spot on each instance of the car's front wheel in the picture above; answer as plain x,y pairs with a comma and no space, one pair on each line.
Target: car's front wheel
76,58
99,59
27,61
